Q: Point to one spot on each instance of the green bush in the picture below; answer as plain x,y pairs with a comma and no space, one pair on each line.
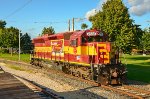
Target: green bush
4,51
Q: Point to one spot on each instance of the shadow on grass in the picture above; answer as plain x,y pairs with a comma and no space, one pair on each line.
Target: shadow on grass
145,63
139,57
139,72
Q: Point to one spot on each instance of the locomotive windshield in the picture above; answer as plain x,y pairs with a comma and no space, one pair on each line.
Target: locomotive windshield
92,39
93,36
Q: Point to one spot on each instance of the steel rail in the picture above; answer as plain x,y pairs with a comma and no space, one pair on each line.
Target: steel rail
134,88
52,95
122,92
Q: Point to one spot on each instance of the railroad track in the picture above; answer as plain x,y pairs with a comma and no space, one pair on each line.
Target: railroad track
129,91
43,92
21,88
126,90
12,88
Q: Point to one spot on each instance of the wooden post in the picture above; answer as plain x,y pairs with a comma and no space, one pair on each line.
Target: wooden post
69,25
19,45
11,51
73,24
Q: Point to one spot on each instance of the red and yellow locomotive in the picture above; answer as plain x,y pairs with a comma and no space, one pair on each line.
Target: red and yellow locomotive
85,53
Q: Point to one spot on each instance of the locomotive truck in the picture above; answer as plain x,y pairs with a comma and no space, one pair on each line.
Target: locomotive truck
83,53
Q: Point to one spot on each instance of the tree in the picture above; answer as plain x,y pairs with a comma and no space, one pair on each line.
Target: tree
50,30
2,24
138,32
145,41
13,36
114,19
9,37
26,43
84,26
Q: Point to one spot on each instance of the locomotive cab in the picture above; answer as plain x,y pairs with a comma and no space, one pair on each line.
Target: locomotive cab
93,47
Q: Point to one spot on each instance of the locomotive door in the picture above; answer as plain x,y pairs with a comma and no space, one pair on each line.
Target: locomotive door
74,46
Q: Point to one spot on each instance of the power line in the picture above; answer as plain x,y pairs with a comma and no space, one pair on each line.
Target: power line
38,22
80,19
52,22
17,10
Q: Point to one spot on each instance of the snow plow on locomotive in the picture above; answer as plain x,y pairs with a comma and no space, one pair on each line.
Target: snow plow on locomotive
86,54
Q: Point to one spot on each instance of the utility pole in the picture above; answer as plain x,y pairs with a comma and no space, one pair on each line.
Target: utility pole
76,19
73,24
19,44
69,25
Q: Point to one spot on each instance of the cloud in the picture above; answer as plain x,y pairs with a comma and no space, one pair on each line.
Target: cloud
95,10
90,13
139,7
135,2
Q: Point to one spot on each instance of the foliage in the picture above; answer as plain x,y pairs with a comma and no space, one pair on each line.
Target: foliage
26,43
4,50
138,32
145,41
84,26
115,20
50,30
9,37
2,24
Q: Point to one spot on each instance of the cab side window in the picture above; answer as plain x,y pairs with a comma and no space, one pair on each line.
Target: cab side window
84,40
74,42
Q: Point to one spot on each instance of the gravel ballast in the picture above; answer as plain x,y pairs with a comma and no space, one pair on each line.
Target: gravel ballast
67,87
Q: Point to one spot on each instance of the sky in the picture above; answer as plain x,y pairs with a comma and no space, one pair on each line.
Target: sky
32,15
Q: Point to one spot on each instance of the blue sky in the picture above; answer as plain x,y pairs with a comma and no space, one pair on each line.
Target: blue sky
37,14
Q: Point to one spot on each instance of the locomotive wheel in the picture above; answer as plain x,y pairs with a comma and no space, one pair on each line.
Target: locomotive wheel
69,72
64,69
103,80
72,73
90,77
78,74
83,76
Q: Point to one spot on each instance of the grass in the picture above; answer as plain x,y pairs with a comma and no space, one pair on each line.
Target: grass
15,57
20,68
16,67
138,67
